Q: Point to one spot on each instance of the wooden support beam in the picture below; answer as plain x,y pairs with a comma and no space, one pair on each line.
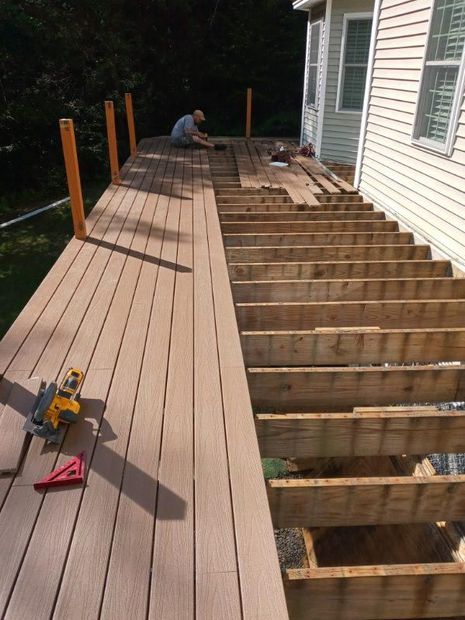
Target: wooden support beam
348,290
356,226
248,116
131,125
254,200
264,207
384,314
112,145
311,239
300,216
340,269
340,198
339,389
371,431
336,502
339,346
68,142
382,592
286,254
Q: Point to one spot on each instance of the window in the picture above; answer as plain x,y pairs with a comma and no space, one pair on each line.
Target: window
355,50
442,79
314,59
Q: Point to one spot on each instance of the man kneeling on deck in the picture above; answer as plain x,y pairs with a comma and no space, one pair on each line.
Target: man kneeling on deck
185,132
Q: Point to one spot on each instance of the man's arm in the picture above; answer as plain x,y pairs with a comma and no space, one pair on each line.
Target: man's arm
191,130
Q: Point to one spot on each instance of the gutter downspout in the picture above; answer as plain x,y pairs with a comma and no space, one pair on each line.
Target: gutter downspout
366,100
324,70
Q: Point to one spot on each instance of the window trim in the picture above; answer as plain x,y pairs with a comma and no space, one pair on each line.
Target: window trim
314,106
347,17
424,143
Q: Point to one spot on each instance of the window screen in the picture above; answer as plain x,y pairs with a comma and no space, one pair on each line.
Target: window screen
443,63
355,63
314,64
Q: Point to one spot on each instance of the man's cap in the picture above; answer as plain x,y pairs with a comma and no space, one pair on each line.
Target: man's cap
200,114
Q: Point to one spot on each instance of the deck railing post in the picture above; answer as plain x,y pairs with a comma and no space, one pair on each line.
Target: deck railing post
68,141
248,121
112,146
131,125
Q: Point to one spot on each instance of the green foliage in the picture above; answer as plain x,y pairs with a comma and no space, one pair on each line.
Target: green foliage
63,58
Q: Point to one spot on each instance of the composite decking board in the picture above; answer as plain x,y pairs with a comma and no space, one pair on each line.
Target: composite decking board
357,346
244,166
39,300
259,574
127,580
39,595
286,254
340,269
217,583
172,588
20,402
384,314
91,542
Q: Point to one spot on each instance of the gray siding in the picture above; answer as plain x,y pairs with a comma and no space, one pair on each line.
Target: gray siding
423,189
341,130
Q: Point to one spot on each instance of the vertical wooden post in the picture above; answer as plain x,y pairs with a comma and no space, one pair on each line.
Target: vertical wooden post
131,126
248,122
112,147
68,141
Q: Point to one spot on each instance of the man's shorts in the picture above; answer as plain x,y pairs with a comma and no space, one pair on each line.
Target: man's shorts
183,141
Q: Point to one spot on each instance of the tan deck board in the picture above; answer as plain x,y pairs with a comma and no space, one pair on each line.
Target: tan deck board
146,319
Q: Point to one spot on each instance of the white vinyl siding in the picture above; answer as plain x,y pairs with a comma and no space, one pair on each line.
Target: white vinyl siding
442,78
354,60
424,189
341,131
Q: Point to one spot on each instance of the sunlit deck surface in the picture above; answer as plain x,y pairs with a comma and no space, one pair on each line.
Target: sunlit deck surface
173,519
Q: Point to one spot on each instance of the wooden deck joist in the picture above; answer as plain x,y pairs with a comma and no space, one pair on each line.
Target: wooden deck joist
348,290
317,239
369,431
420,313
357,226
336,389
338,346
233,216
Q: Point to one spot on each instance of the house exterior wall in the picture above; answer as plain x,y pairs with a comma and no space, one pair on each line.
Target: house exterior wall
423,189
310,115
341,130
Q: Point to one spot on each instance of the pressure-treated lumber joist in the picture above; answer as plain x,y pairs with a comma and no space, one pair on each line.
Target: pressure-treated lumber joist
383,592
337,389
357,226
257,199
344,207
340,269
339,346
310,239
286,254
251,191
335,502
300,216
371,431
384,314
340,198
349,290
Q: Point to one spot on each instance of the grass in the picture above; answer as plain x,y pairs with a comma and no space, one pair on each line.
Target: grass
29,249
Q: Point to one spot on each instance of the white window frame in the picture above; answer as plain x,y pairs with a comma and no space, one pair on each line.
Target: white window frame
314,106
347,18
424,143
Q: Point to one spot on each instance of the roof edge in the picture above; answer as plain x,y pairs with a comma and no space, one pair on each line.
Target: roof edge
304,5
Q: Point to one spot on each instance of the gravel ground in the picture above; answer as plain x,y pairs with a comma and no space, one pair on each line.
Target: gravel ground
291,548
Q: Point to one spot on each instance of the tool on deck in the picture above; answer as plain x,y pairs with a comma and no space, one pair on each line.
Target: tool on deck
72,472
56,404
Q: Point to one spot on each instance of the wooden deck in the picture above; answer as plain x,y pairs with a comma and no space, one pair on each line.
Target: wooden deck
173,520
